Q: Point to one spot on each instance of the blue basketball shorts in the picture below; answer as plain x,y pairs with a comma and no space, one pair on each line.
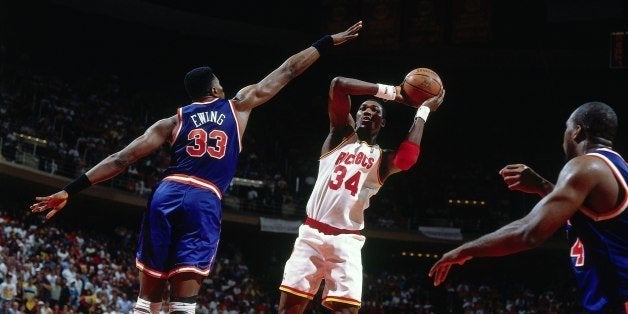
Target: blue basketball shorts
180,231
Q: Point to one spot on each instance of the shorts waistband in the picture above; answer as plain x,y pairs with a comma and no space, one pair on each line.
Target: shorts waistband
194,181
327,229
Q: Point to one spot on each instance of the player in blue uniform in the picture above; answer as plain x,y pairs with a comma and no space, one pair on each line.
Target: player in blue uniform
181,227
590,196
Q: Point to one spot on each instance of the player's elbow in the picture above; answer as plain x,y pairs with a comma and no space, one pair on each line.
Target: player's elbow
531,237
119,161
407,155
338,83
404,162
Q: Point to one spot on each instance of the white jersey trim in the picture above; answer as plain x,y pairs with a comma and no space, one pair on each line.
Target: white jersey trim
340,145
235,116
179,118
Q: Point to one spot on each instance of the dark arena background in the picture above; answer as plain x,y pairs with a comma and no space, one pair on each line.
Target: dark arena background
79,80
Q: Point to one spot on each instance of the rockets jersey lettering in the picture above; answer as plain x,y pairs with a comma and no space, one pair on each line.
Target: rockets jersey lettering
206,145
347,177
599,247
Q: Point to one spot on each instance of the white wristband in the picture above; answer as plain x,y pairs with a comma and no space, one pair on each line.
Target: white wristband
387,92
422,113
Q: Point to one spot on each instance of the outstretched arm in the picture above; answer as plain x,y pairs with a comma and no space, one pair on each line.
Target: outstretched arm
254,95
575,181
151,140
111,166
408,152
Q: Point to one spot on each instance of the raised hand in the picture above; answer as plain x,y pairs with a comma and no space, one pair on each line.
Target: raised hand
522,178
435,102
350,33
54,202
440,270
432,103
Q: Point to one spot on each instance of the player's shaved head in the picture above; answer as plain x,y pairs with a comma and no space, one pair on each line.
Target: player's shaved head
598,121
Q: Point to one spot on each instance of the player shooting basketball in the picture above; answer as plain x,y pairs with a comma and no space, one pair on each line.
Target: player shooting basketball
352,169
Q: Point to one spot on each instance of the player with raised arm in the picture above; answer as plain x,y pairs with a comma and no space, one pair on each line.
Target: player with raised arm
352,168
181,227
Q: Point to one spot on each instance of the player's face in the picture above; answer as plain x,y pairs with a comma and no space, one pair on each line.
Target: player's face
369,115
217,90
569,145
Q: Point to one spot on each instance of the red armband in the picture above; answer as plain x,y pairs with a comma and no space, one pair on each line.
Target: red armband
406,155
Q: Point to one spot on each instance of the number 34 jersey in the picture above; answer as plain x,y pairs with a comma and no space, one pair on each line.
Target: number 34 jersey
348,176
205,145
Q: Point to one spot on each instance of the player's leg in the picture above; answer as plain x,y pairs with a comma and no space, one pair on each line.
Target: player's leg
184,288
195,237
151,291
152,251
303,272
343,282
291,304
342,308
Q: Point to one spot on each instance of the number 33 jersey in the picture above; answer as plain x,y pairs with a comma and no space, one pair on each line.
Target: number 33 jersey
348,176
205,146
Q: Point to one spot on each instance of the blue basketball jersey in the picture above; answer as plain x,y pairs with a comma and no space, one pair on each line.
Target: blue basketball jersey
599,247
205,146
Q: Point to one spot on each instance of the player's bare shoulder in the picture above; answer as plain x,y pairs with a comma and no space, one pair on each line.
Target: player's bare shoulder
585,168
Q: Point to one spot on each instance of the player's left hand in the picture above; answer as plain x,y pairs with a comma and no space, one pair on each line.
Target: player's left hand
350,33
55,202
440,270
522,178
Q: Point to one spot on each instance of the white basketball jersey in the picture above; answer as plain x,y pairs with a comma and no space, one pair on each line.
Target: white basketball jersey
348,176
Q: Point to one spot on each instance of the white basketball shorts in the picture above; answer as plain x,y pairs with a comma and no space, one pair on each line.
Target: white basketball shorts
318,256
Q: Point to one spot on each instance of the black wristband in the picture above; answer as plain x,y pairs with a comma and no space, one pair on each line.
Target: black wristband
324,44
79,184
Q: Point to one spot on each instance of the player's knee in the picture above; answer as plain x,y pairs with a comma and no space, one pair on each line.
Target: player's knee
343,308
406,155
185,305
289,303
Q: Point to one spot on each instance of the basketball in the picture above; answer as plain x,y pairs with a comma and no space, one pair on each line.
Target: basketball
421,84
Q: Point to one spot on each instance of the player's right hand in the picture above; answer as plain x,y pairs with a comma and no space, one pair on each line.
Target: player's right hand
401,98
54,202
350,33
522,178
435,102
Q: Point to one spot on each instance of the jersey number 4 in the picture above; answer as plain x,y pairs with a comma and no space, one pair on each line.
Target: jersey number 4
338,178
200,146
577,251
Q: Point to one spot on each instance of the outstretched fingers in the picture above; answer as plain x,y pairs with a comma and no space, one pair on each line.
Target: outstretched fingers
350,33
52,213
41,205
355,28
439,272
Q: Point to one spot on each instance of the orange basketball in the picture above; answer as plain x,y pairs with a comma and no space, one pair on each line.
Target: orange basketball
421,84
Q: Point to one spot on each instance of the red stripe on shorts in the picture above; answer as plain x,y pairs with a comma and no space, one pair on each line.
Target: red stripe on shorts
327,229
